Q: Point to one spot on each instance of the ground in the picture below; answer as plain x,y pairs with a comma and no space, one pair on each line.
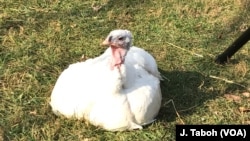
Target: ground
38,39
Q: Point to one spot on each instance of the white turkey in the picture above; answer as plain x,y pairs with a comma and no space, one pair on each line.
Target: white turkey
119,90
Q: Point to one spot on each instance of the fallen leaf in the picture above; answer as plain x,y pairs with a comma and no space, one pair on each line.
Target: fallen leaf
96,8
33,112
232,97
247,122
83,58
73,25
246,94
243,109
86,139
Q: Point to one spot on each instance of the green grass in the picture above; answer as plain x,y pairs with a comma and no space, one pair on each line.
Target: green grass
38,39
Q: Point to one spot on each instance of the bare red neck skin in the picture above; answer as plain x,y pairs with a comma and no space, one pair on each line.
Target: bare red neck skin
118,56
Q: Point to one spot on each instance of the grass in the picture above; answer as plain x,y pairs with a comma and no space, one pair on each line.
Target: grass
38,39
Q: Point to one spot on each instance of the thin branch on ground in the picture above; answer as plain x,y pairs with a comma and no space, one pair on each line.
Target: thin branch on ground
227,81
193,53
178,115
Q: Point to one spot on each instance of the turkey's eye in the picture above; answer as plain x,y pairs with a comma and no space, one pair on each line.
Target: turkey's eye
121,38
110,38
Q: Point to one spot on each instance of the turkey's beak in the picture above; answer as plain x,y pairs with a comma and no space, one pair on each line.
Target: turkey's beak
106,43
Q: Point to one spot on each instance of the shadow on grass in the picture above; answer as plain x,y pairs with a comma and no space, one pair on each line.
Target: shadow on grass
188,90
184,88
